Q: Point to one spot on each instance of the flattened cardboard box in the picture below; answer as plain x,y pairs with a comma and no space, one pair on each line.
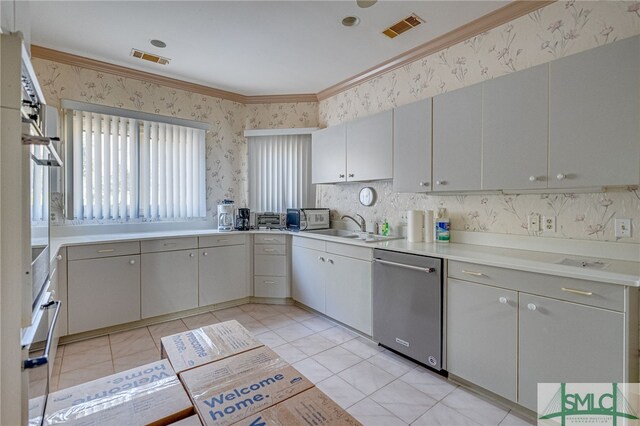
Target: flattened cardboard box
233,388
148,395
189,421
311,407
203,345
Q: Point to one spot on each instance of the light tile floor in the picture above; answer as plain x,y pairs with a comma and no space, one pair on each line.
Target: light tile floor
376,386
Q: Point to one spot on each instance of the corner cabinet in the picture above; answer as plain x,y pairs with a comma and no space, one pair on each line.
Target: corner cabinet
509,330
594,135
412,147
360,150
329,155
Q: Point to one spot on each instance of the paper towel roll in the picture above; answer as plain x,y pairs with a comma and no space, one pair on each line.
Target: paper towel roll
415,223
428,226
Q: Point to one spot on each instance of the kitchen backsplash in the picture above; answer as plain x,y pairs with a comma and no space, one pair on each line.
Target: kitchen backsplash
226,146
558,30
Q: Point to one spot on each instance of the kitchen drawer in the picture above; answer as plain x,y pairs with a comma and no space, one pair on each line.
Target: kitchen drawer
602,295
269,239
265,286
93,251
309,243
270,265
222,240
270,249
169,244
348,250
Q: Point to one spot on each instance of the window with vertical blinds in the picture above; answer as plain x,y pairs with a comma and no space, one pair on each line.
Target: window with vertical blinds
127,168
280,172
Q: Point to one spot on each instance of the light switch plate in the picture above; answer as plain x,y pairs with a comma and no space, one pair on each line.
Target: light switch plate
549,224
534,222
623,228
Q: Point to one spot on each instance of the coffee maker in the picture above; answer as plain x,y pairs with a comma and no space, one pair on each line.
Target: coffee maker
225,216
242,219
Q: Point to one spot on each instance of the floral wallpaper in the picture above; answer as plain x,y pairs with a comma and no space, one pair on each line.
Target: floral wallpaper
226,146
558,30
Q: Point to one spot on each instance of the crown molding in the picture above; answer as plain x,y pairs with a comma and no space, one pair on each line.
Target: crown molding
498,17
101,66
507,13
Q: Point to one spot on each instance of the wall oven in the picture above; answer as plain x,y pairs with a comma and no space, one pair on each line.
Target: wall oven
40,308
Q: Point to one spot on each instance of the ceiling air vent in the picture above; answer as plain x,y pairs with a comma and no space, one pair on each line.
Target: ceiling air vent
149,57
405,25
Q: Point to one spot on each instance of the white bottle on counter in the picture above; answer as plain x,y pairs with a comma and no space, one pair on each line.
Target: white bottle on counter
442,226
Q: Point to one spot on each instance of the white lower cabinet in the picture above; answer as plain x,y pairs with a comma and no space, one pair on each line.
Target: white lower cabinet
336,285
308,277
103,292
169,282
348,291
223,274
506,340
482,336
567,342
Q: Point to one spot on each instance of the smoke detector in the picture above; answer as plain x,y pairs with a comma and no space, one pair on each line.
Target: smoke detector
403,26
136,53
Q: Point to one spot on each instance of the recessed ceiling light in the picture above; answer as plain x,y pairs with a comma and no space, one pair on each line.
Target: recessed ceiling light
158,43
350,21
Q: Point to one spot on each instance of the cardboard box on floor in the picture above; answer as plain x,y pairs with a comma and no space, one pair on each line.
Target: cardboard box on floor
148,395
197,347
311,407
228,390
189,421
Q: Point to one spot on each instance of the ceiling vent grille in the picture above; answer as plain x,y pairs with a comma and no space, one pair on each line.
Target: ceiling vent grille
402,26
149,57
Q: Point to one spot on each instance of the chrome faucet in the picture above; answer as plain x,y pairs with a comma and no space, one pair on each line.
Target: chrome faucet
362,224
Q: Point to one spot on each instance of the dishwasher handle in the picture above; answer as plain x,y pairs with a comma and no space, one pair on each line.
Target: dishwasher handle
401,265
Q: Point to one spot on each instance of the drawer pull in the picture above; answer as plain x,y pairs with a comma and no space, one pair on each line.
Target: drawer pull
132,262
59,257
269,250
532,307
475,274
269,282
580,292
330,261
169,244
269,239
106,250
503,300
321,259
191,255
223,240
205,254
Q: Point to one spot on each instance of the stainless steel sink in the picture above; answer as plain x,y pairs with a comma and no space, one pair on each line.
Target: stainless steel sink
342,233
354,235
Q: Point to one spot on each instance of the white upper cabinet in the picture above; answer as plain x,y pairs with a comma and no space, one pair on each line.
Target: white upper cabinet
457,139
412,147
594,137
329,154
370,147
515,127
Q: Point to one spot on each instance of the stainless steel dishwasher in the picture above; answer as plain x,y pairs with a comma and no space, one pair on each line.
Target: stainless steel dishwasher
407,305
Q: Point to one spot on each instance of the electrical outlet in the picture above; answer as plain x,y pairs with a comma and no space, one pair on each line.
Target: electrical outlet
403,216
534,222
623,228
549,224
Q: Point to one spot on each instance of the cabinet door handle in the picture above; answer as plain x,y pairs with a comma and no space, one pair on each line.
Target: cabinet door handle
580,292
269,282
321,259
561,176
424,183
132,262
475,274
106,250
191,254
59,257
441,182
341,175
532,307
532,178
503,300
350,174
205,254
330,261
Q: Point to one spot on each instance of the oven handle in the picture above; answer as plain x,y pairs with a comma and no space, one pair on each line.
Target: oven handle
401,265
44,359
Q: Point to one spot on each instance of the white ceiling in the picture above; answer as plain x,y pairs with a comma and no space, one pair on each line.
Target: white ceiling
247,47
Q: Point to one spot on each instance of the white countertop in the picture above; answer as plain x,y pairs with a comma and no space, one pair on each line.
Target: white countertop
616,272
